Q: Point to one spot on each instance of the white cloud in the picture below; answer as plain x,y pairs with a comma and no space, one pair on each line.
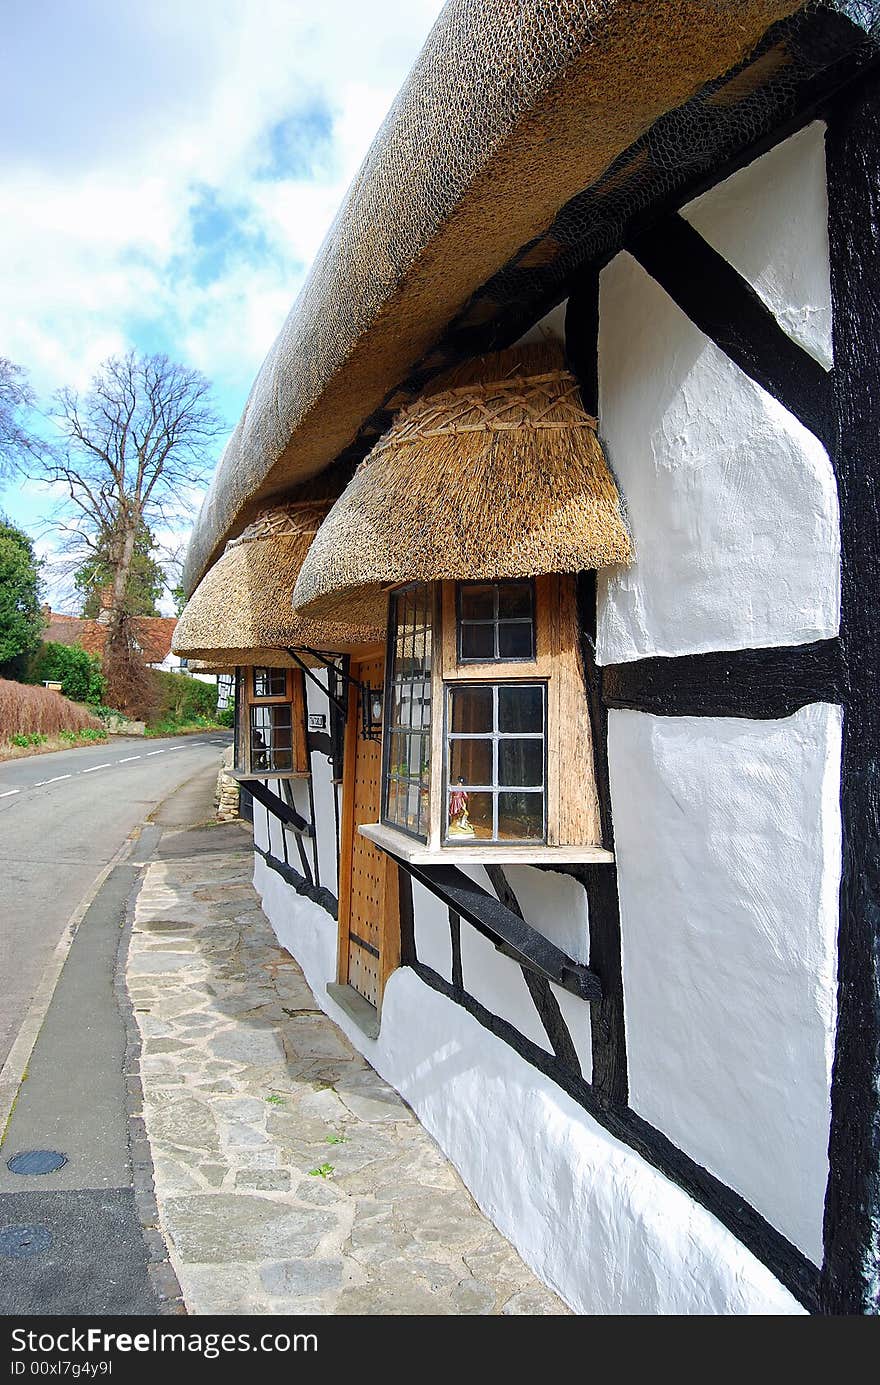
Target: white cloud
121,120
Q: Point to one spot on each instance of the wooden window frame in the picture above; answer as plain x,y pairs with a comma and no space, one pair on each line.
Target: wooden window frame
293,696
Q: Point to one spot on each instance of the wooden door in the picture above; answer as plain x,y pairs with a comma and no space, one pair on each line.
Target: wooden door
369,945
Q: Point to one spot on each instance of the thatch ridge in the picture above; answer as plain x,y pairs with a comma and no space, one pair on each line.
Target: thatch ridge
501,476
459,178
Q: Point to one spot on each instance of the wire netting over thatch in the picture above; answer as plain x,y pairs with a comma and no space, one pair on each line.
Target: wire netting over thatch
511,112
240,613
497,472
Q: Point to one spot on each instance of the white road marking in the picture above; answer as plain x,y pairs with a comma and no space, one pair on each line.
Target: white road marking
155,752
9,792
177,747
127,759
58,777
107,765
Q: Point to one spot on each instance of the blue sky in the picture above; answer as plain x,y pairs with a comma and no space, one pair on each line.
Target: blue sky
167,173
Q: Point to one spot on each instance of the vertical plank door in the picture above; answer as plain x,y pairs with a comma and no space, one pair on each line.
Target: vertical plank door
368,924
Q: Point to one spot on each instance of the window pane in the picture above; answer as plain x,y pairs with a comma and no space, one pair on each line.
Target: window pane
412,807
479,817
271,737
270,682
397,761
471,710
514,599
521,763
477,602
477,641
520,817
515,640
471,761
260,718
521,708
422,757
281,736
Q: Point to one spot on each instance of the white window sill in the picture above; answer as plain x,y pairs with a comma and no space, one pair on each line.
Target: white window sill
483,854
242,776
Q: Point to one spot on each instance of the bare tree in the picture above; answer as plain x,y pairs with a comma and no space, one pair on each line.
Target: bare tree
134,448
17,443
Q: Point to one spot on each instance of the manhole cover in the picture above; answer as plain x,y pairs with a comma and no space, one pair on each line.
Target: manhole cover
18,1242
36,1161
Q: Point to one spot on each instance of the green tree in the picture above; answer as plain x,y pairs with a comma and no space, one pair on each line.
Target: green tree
21,621
146,580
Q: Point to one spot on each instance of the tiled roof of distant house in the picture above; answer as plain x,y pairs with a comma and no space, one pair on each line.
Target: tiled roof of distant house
153,634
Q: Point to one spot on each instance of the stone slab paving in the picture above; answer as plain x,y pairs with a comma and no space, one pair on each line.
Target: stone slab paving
289,1177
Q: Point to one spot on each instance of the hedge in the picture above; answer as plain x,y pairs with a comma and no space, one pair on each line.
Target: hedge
180,698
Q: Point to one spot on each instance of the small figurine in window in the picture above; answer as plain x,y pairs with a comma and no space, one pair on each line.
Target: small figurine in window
459,822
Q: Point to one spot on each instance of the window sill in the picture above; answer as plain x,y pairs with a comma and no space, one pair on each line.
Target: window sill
418,854
242,776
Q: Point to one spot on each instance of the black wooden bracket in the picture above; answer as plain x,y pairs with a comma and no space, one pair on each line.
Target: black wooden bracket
327,661
278,808
509,932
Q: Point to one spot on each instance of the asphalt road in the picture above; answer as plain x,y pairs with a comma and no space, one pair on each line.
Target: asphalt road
62,817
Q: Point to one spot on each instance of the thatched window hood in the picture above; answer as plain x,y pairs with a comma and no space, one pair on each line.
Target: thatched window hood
240,612
496,472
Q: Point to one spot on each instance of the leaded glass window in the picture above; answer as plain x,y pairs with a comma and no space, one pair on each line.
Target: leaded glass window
496,622
495,763
407,730
270,682
271,732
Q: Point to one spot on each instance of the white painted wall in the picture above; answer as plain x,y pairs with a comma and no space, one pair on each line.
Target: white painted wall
554,904
599,1225
497,982
731,501
770,221
431,927
728,843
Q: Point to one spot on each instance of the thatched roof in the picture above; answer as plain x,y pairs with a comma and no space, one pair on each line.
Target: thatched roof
509,113
240,613
203,666
496,472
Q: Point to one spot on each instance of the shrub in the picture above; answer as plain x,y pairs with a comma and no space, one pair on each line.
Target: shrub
30,711
78,672
226,716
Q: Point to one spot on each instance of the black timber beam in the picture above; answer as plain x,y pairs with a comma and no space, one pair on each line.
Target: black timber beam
719,301
278,808
510,933
760,684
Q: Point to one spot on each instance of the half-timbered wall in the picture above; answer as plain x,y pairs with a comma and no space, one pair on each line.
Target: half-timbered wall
666,1148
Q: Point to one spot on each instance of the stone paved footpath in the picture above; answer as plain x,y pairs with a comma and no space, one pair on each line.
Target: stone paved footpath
289,1177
